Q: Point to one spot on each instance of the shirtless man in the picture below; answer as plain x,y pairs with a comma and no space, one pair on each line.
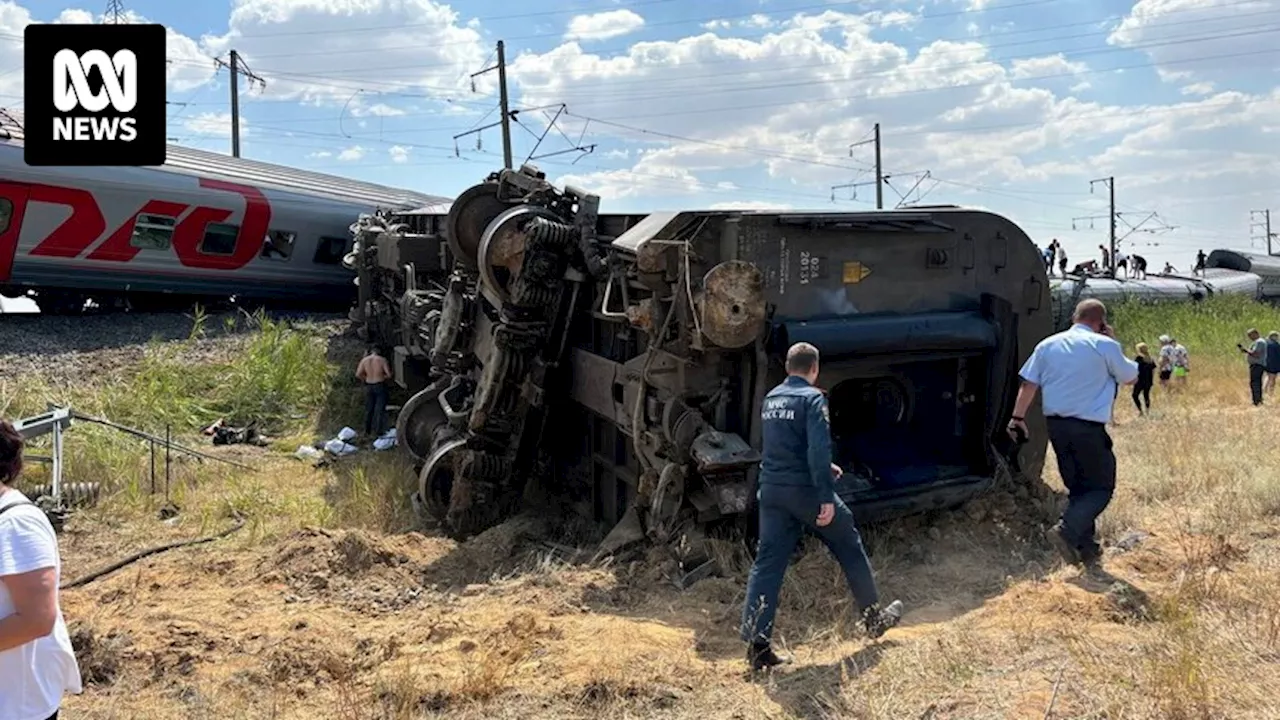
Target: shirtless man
375,372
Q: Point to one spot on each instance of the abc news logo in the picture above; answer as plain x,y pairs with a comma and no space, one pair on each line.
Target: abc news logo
95,95
71,92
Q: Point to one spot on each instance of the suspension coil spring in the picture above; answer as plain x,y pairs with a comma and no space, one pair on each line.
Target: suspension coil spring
550,233
490,467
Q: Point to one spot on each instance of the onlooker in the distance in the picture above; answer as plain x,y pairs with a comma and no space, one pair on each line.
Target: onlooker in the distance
1257,353
37,664
1273,360
1181,360
1165,362
1146,378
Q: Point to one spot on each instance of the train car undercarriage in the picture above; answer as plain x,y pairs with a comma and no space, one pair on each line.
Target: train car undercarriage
620,361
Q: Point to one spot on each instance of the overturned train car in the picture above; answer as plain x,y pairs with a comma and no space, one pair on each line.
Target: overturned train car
620,361
1227,272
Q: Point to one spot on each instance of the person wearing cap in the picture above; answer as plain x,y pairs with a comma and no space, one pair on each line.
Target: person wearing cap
1273,360
1078,373
1257,354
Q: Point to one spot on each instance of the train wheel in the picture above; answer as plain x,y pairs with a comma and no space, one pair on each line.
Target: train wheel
435,480
468,217
418,419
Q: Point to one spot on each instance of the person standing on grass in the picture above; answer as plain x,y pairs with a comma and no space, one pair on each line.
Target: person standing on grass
1257,354
37,663
1078,373
375,372
1181,360
1146,378
1165,361
797,491
1273,360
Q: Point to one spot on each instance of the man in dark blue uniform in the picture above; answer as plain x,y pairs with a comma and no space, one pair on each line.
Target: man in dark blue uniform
797,490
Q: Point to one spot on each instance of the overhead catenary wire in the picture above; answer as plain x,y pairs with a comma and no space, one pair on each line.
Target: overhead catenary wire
661,23
692,81
774,30
618,87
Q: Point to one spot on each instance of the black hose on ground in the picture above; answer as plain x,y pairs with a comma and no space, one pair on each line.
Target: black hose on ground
147,553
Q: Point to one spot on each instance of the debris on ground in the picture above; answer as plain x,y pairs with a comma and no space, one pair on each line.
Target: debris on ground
224,434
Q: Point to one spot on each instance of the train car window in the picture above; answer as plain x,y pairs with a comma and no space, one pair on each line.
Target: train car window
152,232
278,245
6,214
219,239
330,250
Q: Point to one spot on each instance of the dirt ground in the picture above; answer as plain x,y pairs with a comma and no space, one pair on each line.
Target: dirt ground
328,603
350,623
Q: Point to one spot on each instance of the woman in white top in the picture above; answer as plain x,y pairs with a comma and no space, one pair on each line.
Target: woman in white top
37,664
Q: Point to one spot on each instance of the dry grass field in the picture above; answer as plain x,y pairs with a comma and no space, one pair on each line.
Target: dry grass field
335,602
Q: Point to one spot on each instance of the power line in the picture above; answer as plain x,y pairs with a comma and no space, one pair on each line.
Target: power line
847,98
661,23
626,87
324,81
774,31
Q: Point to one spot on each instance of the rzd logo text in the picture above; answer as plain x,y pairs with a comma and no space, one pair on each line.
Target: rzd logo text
72,92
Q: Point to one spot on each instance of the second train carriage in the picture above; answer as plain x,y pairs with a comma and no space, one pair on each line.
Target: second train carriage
204,225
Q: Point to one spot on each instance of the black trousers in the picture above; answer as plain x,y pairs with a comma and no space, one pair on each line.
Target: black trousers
1088,468
1143,391
1255,382
375,408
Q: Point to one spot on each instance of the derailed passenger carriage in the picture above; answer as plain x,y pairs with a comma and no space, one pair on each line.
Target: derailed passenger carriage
621,361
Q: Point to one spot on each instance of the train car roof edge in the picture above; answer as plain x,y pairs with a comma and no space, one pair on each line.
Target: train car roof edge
190,161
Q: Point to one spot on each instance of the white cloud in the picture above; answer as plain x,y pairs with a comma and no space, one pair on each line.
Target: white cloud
602,26
355,152
328,50
780,109
190,68
1189,38
1047,65
773,102
376,110
211,124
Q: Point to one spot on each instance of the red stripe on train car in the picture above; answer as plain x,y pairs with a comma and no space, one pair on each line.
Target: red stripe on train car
77,232
16,194
253,229
119,247
86,224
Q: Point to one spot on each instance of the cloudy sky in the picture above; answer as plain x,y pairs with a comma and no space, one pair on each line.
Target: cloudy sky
1011,105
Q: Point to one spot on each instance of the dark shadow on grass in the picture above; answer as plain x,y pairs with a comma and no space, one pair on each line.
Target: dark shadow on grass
801,690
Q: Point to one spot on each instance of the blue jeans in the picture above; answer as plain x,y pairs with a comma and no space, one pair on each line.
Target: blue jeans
784,514
375,408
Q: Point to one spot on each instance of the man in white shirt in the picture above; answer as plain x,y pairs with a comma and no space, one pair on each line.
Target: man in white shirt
37,663
1078,372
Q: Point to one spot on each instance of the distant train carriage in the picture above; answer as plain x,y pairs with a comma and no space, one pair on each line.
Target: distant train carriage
1227,272
204,225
